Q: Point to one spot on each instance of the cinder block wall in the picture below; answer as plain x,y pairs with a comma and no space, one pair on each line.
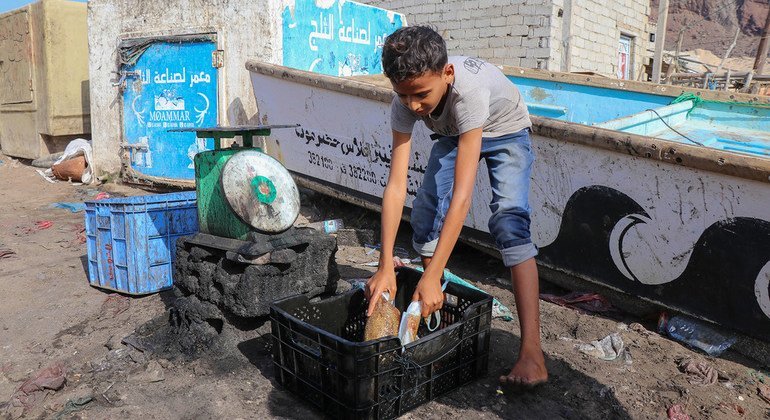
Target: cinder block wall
511,32
591,29
559,35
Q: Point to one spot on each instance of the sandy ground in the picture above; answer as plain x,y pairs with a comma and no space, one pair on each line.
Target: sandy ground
50,315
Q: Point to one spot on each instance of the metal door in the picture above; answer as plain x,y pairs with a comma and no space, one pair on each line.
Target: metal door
171,85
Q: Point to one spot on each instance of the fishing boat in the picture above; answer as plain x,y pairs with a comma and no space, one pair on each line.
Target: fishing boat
655,191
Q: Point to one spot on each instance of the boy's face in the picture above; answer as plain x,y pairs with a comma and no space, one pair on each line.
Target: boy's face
424,93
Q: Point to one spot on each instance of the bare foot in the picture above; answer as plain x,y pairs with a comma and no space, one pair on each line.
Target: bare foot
528,372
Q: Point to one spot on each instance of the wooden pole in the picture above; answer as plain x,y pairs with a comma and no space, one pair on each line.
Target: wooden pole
759,63
660,39
729,50
675,62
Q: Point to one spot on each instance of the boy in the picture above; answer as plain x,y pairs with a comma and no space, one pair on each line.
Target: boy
476,112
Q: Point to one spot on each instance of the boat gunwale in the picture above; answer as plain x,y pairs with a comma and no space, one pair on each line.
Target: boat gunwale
680,154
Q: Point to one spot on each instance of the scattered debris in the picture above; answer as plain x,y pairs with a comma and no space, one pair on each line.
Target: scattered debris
695,333
80,233
354,237
116,304
73,207
498,309
587,302
34,389
397,262
764,392
37,226
6,253
101,196
74,164
153,373
608,348
699,372
637,327
73,406
677,412
733,407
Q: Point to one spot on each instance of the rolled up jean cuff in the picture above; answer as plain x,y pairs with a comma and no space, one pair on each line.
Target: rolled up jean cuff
518,254
427,249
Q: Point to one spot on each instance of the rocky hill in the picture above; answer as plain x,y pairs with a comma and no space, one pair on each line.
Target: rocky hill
711,24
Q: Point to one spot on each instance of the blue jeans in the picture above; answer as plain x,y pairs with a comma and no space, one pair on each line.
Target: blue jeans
509,160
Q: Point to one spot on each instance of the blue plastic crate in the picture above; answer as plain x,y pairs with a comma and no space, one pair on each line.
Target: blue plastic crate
132,241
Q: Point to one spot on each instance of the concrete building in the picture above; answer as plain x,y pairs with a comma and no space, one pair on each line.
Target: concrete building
610,37
238,29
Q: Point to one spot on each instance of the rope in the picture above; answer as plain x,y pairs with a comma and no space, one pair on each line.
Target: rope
673,129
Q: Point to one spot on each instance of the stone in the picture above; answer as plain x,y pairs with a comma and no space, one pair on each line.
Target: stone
113,343
247,290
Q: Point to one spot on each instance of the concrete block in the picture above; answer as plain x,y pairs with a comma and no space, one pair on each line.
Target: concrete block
482,23
528,10
530,42
529,63
511,10
513,41
486,32
496,42
502,31
541,31
498,21
534,20
485,53
539,52
477,13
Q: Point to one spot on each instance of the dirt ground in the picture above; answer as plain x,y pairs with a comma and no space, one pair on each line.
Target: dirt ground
50,316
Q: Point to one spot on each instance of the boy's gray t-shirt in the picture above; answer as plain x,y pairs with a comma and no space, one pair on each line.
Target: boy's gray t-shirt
481,96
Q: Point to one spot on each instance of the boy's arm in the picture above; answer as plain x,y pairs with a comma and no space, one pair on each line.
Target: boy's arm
392,208
468,151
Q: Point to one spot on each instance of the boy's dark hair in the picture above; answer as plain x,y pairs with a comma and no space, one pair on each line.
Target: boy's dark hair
412,51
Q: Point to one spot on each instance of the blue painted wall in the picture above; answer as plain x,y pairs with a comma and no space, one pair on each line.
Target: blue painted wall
338,38
178,89
583,104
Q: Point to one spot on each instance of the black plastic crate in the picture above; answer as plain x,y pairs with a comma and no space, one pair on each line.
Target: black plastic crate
318,353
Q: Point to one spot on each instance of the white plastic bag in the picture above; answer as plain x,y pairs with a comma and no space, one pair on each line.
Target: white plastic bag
410,321
75,148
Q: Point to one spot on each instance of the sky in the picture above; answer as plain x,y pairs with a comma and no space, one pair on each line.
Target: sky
6,5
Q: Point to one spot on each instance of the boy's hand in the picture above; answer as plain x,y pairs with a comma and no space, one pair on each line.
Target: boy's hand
429,293
384,280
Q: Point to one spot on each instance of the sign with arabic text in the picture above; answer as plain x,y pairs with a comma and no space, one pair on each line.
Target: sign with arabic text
336,37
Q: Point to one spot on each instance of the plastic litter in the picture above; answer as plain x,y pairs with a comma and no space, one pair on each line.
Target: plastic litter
410,321
77,147
33,390
695,333
588,302
608,348
384,320
498,309
73,207
700,372
327,226
677,412
73,406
